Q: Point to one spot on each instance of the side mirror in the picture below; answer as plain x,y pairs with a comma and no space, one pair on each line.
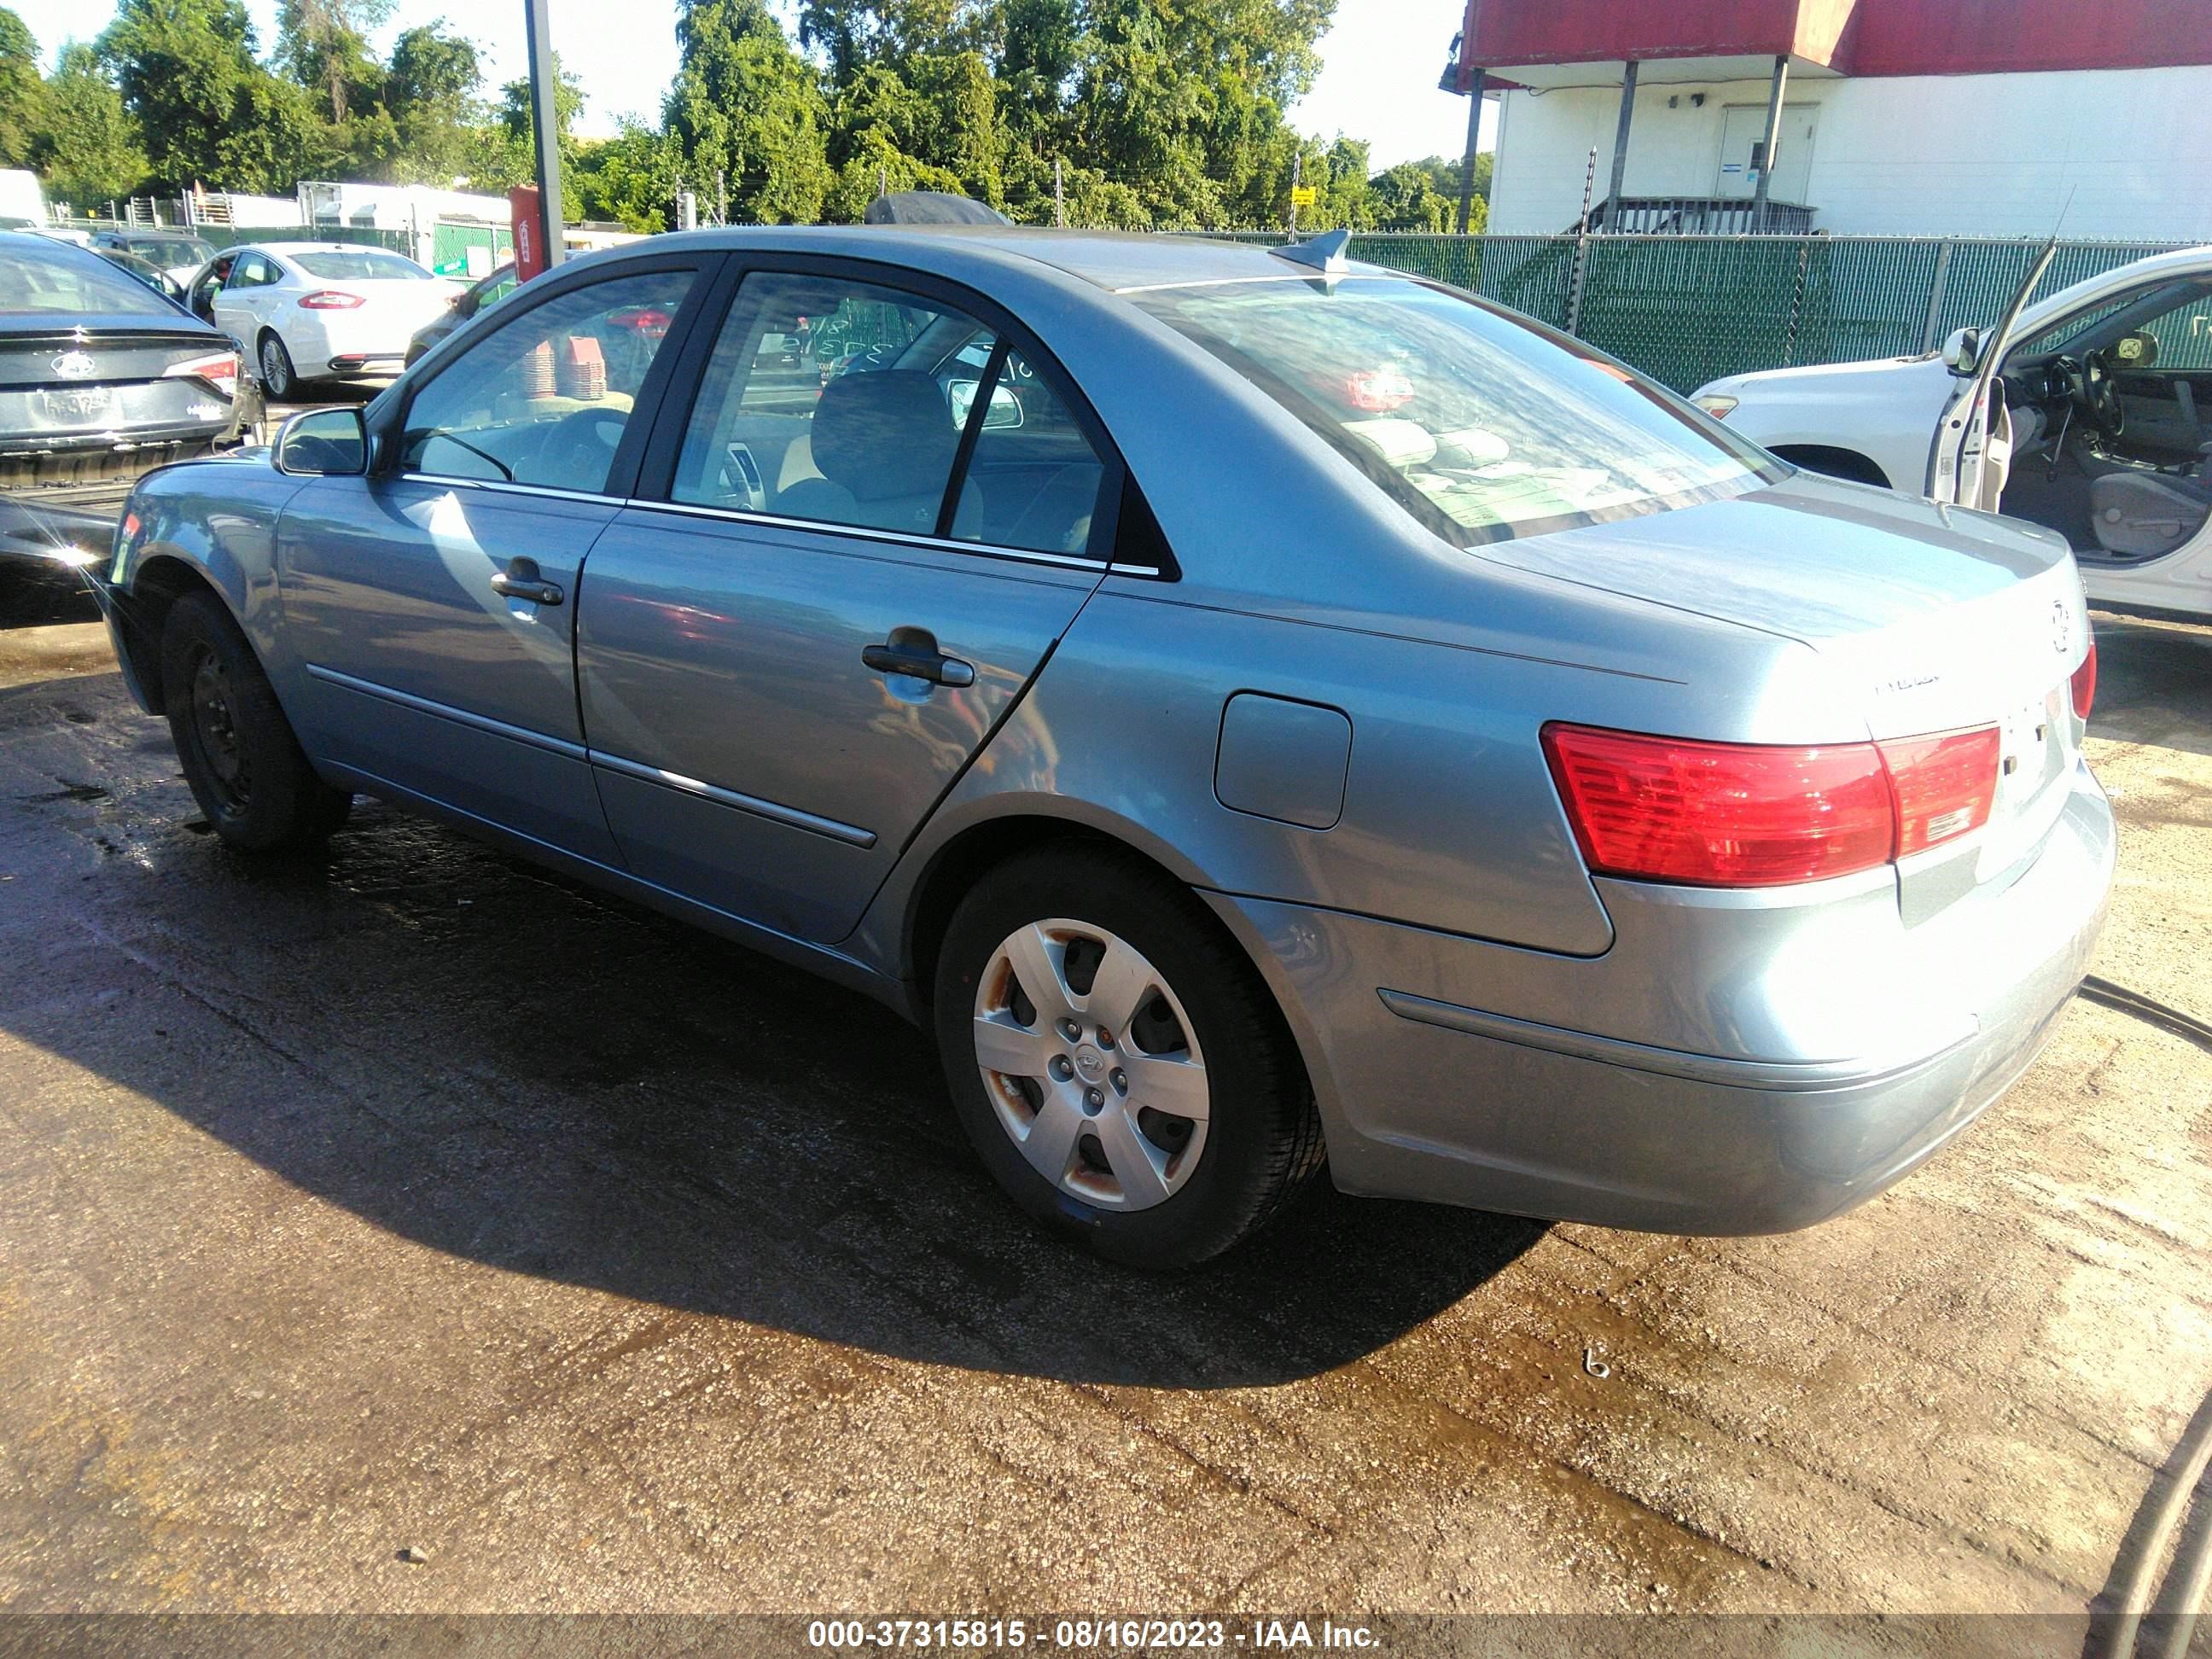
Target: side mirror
324,443
1962,352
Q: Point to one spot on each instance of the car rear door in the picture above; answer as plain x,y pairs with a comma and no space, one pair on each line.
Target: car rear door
433,603
837,593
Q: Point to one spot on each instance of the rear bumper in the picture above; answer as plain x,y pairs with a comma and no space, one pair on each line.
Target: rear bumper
1904,1035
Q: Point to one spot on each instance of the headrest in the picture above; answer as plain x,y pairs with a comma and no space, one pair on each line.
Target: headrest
888,432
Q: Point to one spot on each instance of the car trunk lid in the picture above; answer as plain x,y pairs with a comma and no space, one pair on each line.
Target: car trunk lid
1933,619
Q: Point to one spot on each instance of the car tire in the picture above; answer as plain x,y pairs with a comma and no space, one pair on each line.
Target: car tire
279,379
241,759
1066,1143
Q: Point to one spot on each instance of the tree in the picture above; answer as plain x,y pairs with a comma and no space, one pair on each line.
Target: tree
1405,198
324,44
21,94
432,93
747,110
87,149
631,178
208,111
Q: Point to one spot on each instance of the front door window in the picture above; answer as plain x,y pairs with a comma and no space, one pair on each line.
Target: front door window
546,399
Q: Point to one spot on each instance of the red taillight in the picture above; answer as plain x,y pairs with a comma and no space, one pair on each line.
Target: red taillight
1944,785
2085,682
329,299
219,371
1745,815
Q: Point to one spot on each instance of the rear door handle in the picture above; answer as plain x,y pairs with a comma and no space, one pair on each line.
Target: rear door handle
919,662
522,579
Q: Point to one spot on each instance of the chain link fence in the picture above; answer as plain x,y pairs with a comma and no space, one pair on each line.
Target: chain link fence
1689,309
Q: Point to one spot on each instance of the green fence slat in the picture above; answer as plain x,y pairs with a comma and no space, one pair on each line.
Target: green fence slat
1689,309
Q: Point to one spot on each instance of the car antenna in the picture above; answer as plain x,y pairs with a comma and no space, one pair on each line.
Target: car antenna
1325,253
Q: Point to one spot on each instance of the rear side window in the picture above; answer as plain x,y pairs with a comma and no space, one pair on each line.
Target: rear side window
1482,425
366,265
39,281
846,402
545,399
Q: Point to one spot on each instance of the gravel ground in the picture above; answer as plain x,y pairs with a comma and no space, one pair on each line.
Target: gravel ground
410,1201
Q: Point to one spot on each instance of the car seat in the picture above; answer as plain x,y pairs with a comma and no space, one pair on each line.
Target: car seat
884,444
2140,514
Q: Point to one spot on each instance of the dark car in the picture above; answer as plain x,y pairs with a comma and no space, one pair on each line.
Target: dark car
102,379
146,271
483,296
177,252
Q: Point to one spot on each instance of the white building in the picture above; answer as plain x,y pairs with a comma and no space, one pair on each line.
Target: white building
1889,117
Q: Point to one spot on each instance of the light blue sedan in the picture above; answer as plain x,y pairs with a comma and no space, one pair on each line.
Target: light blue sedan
1266,713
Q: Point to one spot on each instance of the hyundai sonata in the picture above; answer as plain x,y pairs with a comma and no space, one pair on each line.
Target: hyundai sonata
1263,714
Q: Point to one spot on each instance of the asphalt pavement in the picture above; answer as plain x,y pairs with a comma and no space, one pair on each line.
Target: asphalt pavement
406,1229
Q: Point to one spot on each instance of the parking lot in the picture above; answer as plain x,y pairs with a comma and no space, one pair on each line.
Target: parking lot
409,1229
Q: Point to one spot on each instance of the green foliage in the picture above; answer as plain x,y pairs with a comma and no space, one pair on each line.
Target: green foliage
22,98
208,110
1405,198
1158,114
630,179
323,44
747,115
432,93
87,149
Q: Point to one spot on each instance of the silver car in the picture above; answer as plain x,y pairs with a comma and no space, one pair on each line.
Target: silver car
1265,714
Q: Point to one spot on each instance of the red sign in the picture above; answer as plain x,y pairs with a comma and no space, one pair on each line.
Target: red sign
529,233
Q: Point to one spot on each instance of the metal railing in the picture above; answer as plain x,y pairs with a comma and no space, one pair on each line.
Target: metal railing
1701,216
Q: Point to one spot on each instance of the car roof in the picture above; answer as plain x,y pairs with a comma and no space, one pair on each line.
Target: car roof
1117,261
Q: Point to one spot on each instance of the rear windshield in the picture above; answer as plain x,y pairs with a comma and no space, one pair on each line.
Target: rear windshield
64,279
359,265
170,250
1484,425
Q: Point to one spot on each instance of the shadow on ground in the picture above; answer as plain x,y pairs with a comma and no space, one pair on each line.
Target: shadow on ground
527,1074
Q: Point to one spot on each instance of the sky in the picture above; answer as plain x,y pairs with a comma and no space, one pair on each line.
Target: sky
1380,63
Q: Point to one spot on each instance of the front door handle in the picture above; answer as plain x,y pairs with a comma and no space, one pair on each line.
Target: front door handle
522,579
921,662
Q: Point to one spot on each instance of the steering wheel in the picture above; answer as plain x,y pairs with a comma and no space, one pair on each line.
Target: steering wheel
581,445
2098,397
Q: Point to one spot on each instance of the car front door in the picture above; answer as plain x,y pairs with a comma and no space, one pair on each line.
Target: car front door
237,308
839,594
1969,455
432,604
207,285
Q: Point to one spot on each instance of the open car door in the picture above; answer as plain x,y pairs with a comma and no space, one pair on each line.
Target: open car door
1970,456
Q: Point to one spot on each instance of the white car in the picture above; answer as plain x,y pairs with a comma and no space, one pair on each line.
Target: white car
2089,413
312,311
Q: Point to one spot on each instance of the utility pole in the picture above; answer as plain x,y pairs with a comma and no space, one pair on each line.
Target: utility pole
1467,163
721,197
1621,145
1473,87
1766,151
544,117
1059,193
1297,173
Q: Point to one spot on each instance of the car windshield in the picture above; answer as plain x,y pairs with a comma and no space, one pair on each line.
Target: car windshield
1485,426
360,265
62,280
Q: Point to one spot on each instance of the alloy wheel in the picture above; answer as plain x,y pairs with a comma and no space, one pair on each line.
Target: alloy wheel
1091,1065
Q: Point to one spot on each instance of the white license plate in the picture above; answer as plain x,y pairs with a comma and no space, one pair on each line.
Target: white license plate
78,405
